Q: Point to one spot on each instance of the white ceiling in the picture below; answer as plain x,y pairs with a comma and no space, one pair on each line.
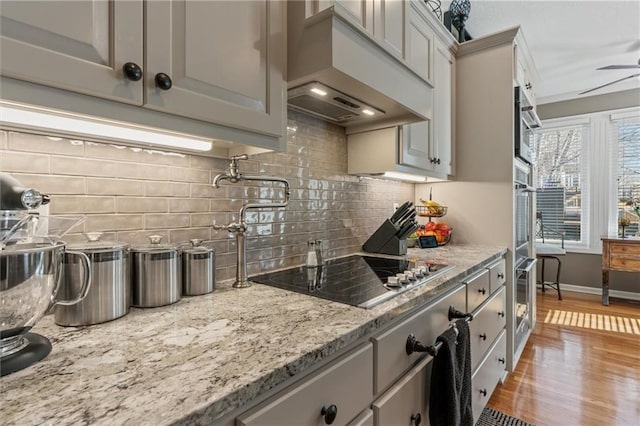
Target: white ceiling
568,40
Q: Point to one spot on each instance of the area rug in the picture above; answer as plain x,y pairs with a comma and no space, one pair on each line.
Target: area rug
491,417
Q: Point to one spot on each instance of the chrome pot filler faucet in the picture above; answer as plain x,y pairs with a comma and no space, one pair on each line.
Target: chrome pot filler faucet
240,228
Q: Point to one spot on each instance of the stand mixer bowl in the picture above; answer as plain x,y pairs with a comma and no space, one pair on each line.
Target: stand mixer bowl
30,276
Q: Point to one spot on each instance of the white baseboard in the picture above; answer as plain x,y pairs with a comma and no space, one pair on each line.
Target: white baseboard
593,290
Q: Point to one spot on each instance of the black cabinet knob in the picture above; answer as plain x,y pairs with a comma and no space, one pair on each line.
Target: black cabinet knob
482,291
437,161
416,419
163,81
483,392
501,275
501,314
329,413
132,71
501,360
483,336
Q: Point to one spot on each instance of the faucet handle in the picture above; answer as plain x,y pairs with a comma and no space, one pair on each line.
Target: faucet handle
235,158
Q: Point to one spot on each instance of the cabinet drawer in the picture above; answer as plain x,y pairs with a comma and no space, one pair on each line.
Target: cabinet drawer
477,290
486,325
364,419
488,375
390,356
347,384
409,397
625,249
497,275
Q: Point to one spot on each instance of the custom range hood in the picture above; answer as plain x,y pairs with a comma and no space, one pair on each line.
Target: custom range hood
340,73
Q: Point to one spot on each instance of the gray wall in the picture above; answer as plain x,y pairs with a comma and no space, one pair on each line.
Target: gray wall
585,269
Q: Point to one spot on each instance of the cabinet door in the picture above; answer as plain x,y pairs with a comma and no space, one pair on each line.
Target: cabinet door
407,402
488,375
415,145
419,44
73,45
443,109
225,60
347,385
358,12
389,25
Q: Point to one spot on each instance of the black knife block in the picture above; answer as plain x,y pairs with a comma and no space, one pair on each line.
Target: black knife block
384,241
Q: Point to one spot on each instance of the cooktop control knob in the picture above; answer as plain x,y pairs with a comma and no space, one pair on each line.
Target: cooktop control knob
393,282
417,272
402,278
410,275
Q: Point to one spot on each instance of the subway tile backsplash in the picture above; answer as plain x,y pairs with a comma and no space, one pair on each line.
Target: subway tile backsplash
130,193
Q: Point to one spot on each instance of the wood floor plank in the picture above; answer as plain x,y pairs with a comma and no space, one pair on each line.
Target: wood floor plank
581,365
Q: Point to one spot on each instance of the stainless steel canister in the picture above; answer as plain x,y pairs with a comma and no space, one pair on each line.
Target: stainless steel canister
198,269
156,274
109,296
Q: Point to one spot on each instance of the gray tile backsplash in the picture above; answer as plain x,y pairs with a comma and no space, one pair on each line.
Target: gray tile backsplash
130,193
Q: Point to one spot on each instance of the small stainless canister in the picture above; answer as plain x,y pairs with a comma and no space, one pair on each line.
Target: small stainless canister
198,269
109,296
156,273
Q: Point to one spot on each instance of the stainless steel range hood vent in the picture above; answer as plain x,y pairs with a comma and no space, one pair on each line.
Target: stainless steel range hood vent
356,72
329,104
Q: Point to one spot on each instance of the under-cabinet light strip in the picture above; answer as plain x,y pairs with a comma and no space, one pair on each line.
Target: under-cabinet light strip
41,119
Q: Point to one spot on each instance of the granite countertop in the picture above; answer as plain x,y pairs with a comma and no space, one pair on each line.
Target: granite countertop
194,361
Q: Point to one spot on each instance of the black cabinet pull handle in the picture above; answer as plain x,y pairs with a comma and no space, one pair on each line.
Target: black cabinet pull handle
416,419
132,71
483,392
483,336
501,360
437,161
329,413
501,314
454,314
163,81
482,291
501,275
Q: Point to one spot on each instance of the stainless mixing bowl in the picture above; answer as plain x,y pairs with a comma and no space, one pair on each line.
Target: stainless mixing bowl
29,281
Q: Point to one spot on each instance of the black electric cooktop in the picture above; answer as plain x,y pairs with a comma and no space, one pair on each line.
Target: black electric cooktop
356,280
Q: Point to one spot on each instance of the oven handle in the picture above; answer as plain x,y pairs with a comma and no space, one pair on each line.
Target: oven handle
529,263
524,187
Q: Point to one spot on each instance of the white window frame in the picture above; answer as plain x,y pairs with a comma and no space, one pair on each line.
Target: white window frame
599,217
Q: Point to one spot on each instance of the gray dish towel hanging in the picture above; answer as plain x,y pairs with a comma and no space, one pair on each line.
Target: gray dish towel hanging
450,388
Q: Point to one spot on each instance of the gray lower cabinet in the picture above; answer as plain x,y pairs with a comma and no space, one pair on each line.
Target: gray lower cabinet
345,388
364,419
391,359
488,374
407,401
477,289
489,320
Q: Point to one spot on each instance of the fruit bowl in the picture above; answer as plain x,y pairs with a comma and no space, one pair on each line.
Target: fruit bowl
431,211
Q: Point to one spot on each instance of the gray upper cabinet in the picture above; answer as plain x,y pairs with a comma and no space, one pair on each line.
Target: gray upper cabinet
442,142
389,25
415,145
419,41
223,58
79,46
217,62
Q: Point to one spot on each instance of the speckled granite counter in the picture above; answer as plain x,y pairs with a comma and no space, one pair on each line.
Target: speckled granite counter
196,360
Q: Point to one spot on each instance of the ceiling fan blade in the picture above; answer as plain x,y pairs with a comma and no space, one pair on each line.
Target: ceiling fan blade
620,67
610,83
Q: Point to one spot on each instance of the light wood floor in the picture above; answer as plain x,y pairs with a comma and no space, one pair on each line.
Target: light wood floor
572,375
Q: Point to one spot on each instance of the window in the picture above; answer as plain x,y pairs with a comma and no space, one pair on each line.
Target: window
626,152
560,177
587,172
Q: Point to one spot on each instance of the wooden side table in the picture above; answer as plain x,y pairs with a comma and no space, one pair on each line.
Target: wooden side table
618,254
